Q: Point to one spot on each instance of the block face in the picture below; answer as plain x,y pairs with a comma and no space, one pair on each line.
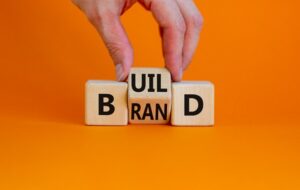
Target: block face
192,103
106,103
149,96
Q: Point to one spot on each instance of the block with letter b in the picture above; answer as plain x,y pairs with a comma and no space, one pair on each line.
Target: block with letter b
106,103
149,95
192,103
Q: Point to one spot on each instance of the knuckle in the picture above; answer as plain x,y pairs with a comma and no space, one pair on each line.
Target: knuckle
114,48
98,16
93,16
179,26
118,51
196,20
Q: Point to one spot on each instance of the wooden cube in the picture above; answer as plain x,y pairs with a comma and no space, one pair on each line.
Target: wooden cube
106,103
192,103
149,96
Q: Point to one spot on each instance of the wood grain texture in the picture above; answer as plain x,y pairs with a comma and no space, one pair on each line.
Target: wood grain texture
186,105
118,90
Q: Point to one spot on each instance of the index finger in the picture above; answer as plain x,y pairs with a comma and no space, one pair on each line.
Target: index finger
171,22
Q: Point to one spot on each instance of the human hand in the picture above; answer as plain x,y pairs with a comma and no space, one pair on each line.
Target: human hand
179,20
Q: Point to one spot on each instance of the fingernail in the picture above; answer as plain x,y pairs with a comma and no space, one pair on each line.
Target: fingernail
119,72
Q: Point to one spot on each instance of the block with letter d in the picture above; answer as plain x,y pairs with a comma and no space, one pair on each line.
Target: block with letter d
192,103
149,95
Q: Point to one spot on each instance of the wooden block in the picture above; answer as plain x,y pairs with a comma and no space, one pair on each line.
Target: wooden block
106,103
149,95
192,103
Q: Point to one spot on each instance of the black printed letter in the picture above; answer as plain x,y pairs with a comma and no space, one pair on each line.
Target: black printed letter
187,110
107,103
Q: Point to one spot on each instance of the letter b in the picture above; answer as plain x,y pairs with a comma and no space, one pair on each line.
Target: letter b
107,103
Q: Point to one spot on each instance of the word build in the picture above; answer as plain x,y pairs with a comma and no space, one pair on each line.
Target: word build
149,97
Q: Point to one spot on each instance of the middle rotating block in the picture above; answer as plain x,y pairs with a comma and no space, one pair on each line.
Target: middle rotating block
149,96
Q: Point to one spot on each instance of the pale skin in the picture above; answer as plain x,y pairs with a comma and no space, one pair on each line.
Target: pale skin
180,23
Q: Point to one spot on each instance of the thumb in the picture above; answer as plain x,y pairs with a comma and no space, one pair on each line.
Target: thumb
115,38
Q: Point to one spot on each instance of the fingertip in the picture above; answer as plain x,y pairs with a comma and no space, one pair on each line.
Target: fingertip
123,59
185,67
119,72
176,74
186,62
122,69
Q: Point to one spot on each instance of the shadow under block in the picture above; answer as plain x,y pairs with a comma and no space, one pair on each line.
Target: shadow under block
149,96
192,103
106,103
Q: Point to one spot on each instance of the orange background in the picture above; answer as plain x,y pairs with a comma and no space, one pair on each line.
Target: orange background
249,49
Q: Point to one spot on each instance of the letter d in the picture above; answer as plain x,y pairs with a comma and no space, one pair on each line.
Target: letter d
187,111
